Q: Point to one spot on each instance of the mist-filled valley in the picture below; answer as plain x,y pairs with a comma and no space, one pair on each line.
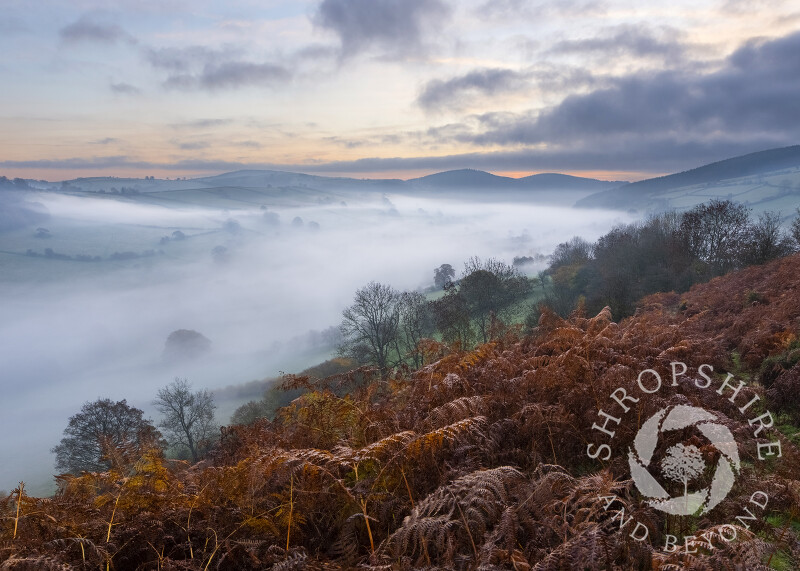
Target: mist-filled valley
93,284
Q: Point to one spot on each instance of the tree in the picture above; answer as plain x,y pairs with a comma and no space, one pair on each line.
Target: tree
188,417
576,251
186,344
489,288
104,435
451,317
250,412
415,324
682,464
767,240
715,233
443,275
370,326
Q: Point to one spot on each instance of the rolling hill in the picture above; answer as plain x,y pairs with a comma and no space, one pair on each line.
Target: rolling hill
766,180
245,188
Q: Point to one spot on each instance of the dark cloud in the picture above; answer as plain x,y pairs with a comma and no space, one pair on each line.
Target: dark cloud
396,27
238,74
198,67
86,30
628,40
182,60
456,92
440,93
123,88
106,141
750,101
193,145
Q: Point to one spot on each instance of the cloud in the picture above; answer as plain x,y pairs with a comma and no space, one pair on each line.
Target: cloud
202,124
86,30
517,9
636,41
658,155
750,101
247,144
198,67
397,27
458,92
229,75
106,141
123,88
179,60
193,146
452,92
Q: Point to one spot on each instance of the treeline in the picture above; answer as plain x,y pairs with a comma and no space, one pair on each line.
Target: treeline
116,256
667,252
387,328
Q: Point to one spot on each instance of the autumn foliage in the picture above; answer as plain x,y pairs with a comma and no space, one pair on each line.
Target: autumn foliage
477,460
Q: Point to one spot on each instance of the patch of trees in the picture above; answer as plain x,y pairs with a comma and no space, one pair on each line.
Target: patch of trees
13,184
106,435
177,236
385,327
184,344
51,254
667,252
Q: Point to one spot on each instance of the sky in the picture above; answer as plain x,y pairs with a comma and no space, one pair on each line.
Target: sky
393,88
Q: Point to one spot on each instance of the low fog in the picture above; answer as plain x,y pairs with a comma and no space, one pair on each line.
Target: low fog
256,282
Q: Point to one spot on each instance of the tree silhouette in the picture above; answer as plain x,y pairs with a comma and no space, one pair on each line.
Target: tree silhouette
370,326
682,464
188,416
105,434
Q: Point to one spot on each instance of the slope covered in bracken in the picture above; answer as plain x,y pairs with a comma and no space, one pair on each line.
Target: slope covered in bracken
476,461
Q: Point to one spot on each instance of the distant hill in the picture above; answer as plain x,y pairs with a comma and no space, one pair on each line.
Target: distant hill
463,178
472,180
551,180
756,178
240,189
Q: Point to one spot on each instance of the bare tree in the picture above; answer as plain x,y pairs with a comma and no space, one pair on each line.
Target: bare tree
188,417
105,434
415,324
767,240
370,326
715,233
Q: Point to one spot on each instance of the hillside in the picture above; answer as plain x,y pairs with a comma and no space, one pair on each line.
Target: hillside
758,178
482,459
248,188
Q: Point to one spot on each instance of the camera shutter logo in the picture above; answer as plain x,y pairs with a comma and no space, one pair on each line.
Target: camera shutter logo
683,463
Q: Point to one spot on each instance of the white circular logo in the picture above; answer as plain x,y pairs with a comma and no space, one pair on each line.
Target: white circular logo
683,463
